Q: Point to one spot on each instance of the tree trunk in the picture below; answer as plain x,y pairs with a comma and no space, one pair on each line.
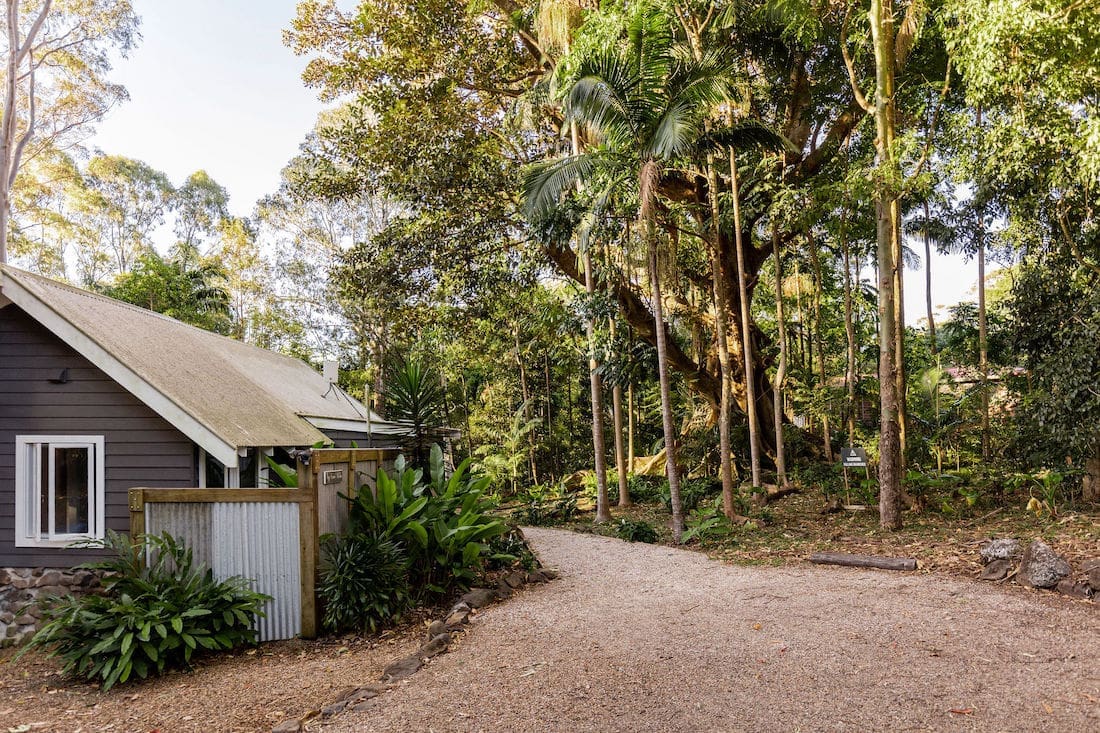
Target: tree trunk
818,285
527,410
603,513
928,282
630,425
617,419
746,327
849,332
899,330
721,321
666,389
620,451
983,323
889,470
781,370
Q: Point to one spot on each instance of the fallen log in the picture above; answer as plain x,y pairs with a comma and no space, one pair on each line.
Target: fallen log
864,561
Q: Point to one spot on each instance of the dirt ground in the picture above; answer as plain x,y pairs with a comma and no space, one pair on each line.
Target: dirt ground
609,584
249,691
646,637
786,532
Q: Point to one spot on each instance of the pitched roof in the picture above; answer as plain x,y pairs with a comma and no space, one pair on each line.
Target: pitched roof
222,393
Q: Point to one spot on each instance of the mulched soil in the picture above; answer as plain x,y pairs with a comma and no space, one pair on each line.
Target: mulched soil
252,690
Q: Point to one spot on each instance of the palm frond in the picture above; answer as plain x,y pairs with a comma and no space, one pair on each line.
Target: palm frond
544,183
743,136
601,96
675,132
941,234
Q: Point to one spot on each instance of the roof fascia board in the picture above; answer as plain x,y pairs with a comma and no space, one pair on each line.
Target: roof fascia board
119,372
382,427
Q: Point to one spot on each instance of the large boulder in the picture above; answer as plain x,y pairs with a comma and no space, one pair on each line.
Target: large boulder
1002,549
1041,567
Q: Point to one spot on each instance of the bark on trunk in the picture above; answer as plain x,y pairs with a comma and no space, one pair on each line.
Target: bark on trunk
781,370
721,320
928,282
816,262
889,470
850,334
603,512
666,389
527,409
746,335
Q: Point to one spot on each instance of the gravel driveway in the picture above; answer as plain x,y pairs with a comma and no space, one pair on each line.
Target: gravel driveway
638,637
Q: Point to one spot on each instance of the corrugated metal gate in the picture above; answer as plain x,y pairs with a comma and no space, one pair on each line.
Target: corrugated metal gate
269,536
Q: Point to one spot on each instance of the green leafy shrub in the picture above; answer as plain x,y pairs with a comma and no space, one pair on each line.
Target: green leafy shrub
507,549
364,582
545,506
708,524
443,524
647,489
635,531
152,616
827,476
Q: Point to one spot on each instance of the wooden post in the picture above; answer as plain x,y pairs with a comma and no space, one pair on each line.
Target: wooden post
137,513
308,549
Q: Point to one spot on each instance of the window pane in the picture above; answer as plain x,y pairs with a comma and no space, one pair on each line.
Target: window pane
70,490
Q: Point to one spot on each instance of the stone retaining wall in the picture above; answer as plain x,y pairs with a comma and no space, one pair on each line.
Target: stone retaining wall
22,588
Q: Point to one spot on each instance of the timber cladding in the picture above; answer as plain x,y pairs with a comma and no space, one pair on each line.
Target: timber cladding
140,447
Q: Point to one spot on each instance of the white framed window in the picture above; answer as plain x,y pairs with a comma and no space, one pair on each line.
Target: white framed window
59,489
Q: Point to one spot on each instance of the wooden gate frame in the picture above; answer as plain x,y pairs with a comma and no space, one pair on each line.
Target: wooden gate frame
309,549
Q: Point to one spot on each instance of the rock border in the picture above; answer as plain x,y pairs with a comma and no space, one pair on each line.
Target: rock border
1038,566
440,633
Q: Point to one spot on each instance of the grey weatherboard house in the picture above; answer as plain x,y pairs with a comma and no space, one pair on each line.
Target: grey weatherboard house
98,396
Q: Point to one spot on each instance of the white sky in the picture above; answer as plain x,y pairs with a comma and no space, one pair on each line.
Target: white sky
212,87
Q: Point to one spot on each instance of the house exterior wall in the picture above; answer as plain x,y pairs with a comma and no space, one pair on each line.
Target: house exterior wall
140,447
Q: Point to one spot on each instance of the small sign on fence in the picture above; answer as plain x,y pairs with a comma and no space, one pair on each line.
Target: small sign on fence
332,477
853,457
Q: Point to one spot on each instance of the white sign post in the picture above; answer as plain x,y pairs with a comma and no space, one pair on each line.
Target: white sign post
852,457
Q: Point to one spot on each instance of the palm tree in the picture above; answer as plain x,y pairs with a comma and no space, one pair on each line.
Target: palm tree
556,24
646,104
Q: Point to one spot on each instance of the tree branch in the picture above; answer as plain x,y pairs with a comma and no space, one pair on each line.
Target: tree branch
860,99
28,42
18,154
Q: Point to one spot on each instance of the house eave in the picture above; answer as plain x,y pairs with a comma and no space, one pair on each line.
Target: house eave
87,347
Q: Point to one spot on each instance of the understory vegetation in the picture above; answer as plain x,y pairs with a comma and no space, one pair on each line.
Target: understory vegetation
411,539
158,610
